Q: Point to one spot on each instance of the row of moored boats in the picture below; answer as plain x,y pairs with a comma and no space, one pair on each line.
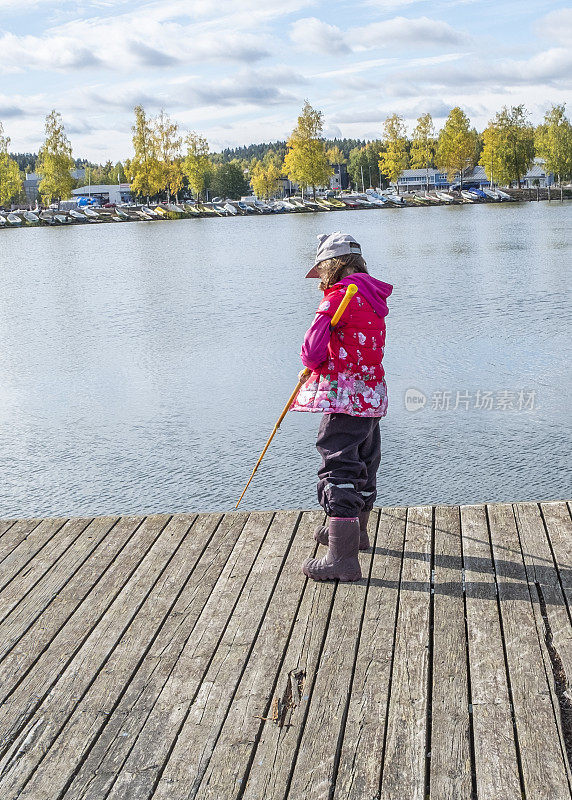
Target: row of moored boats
244,207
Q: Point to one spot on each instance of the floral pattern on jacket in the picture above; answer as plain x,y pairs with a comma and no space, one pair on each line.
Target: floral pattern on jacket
351,379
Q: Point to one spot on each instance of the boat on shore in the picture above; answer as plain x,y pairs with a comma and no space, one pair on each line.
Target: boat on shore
248,206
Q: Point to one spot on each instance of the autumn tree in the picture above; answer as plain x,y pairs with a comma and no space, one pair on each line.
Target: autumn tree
423,145
491,153
145,174
197,163
335,155
306,161
393,156
264,177
10,178
168,146
508,145
456,145
55,161
553,140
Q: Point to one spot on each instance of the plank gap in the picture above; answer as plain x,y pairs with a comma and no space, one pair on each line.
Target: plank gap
503,640
474,793
351,681
384,748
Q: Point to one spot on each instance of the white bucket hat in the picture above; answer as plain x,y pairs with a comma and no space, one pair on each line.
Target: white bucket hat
333,245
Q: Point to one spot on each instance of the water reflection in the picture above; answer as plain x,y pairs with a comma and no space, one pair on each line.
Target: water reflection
143,366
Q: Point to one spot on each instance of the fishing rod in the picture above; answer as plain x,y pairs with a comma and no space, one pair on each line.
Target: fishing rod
350,291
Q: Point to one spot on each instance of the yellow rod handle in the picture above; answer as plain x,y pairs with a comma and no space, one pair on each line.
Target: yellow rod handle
350,291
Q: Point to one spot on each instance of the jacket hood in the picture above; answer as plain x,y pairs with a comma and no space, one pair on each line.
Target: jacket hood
375,291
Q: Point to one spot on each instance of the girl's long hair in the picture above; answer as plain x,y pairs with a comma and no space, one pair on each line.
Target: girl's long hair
333,270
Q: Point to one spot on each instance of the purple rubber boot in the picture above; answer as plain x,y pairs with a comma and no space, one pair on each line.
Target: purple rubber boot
321,532
341,562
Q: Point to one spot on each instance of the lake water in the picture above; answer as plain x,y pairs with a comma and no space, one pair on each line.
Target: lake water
143,365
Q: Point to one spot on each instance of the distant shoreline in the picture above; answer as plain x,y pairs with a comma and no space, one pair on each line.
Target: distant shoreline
20,218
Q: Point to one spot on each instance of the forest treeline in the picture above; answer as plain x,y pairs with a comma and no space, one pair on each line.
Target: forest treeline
168,161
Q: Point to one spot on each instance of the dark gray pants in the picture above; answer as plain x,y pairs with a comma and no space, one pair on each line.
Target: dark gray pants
351,452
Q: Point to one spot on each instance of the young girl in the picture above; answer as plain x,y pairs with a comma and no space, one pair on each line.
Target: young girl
345,381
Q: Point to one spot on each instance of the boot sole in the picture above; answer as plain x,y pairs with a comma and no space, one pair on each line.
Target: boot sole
341,578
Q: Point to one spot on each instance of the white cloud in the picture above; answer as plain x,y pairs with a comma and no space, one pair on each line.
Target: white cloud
154,34
314,36
418,32
248,87
119,47
391,5
557,26
551,67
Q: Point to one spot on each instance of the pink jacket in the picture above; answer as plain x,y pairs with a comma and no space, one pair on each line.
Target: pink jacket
346,362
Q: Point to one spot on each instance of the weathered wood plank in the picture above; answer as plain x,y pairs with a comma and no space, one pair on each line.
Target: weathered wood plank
313,771
451,767
137,665
559,526
24,581
30,710
196,737
359,769
99,769
35,601
5,525
549,607
496,764
543,769
225,773
271,767
30,539
14,533
89,715
165,714
99,576
405,754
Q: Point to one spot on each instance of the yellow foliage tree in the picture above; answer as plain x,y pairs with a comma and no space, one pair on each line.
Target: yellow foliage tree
508,149
306,161
456,145
10,178
554,142
335,156
393,158
197,163
264,178
144,166
423,145
168,146
55,161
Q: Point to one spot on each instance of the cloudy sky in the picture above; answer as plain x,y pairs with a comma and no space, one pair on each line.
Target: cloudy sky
238,71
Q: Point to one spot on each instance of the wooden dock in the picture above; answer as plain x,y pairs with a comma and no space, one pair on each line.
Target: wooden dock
187,656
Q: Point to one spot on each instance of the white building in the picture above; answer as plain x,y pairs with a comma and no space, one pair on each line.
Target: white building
414,180
105,193
536,176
